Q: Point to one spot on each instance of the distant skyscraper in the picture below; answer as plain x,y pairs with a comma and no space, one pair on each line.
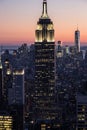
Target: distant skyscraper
16,93
44,67
77,40
59,50
16,98
7,80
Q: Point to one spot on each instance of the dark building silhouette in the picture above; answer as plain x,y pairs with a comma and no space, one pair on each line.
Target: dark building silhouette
7,81
1,75
16,99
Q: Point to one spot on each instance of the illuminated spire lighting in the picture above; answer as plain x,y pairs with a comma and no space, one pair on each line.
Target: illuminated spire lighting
44,12
44,94
77,27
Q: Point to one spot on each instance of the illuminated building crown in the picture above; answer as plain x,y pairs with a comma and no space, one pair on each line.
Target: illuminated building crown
44,31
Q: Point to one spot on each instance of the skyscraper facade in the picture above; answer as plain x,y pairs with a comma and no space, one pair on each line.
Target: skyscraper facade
77,40
16,98
16,93
7,80
44,95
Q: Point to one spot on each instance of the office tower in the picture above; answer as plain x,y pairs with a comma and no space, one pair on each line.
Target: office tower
77,40
1,77
81,111
59,50
7,81
16,93
44,96
16,98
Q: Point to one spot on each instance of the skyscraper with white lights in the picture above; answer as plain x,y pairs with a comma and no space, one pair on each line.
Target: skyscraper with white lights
44,95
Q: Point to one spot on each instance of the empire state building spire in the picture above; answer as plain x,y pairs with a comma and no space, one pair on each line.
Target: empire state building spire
44,12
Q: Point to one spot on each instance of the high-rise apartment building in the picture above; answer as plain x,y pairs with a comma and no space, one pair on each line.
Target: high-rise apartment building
77,40
44,95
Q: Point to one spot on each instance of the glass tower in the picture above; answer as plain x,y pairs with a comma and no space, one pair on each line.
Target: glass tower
44,95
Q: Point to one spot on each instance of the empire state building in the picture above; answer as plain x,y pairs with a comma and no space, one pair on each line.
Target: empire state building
44,95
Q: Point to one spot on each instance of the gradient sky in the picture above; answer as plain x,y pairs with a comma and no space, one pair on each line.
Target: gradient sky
18,19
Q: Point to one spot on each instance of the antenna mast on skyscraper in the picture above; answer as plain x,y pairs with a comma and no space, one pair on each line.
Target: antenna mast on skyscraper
77,26
44,12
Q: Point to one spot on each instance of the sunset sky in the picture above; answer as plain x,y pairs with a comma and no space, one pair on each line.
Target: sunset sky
18,19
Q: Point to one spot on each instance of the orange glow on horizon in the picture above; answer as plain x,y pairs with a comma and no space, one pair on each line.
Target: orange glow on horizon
18,20
26,34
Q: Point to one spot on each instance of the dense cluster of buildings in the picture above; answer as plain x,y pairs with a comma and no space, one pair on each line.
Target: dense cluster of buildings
44,86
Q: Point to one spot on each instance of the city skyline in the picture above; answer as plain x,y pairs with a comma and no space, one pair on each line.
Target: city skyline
18,24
